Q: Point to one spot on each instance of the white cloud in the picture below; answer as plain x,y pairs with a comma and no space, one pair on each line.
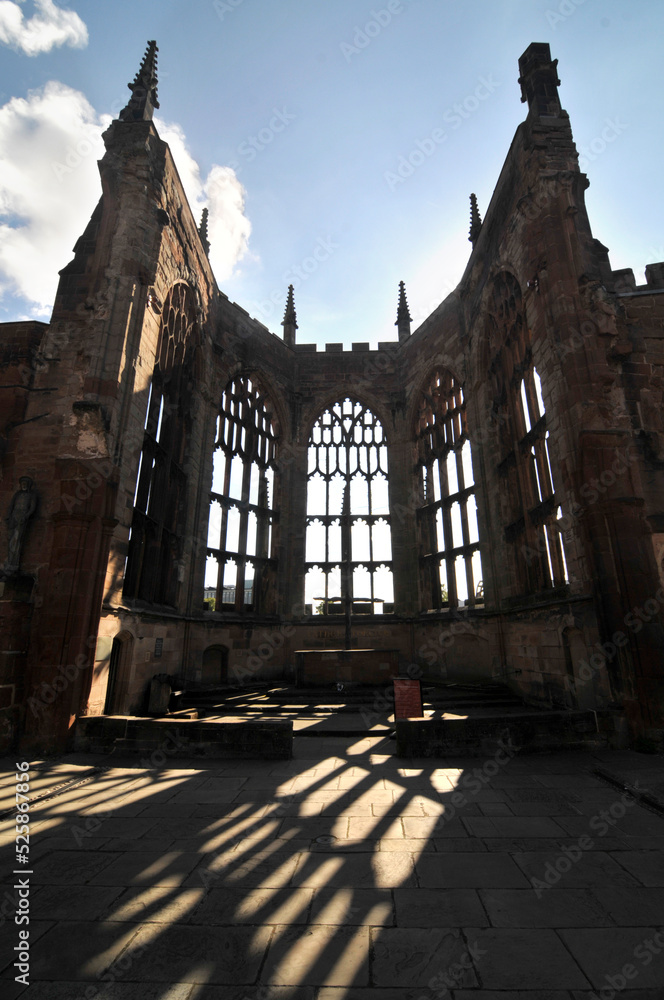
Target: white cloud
222,194
48,28
49,184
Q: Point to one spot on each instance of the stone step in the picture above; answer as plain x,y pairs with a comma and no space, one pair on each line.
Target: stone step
454,696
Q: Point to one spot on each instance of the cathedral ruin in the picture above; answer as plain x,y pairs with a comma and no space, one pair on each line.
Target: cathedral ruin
186,493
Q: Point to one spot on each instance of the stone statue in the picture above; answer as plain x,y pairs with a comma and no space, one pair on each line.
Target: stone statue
21,509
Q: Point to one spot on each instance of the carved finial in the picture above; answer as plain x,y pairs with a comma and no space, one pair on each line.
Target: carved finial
289,321
143,100
203,231
403,316
475,220
539,80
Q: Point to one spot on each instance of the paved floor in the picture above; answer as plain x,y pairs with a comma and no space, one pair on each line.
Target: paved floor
344,874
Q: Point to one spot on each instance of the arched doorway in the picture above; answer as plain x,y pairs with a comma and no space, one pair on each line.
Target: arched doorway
119,674
215,666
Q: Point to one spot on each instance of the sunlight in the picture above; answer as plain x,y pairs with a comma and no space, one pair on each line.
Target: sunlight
538,390
214,526
218,470
467,463
172,896
211,571
524,407
461,579
233,530
221,839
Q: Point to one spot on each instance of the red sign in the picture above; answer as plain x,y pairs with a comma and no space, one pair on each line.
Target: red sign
407,699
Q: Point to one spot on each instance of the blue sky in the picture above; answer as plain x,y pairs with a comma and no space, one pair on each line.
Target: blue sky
313,104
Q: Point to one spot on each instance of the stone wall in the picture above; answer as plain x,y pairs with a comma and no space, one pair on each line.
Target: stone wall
75,396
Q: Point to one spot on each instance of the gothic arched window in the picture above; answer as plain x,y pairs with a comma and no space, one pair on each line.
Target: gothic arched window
348,539
449,536
530,508
239,569
154,557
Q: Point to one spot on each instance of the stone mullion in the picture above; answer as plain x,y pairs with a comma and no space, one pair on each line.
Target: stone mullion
262,526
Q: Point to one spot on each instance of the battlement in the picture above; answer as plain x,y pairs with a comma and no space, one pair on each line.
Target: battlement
363,346
624,282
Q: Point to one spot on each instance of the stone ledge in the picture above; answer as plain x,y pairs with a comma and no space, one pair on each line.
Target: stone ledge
527,733
185,738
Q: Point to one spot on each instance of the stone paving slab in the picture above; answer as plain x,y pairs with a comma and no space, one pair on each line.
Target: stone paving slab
103,991
84,902
645,994
74,867
324,955
261,870
629,906
156,904
433,957
647,869
187,954
438,907
472,871
256,993
604,954
351,906
380,993
513,826
592,868
383,870
147,868
525,959
228,906
513,995
78,950
451,844
553,908
201,893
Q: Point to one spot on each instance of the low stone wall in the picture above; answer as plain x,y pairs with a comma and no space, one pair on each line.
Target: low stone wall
358,666
184,738
485,736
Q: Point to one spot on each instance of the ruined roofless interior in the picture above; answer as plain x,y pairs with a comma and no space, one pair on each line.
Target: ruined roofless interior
185,492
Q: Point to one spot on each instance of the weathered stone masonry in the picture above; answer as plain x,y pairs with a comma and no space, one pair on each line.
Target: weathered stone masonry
560,364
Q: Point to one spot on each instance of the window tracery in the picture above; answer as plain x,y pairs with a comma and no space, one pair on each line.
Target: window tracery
451,564
348,558
154,557
239,569
531,508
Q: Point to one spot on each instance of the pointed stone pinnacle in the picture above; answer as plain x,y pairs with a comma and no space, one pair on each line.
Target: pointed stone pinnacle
143,100
475,220
289,321
403,315
203,231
